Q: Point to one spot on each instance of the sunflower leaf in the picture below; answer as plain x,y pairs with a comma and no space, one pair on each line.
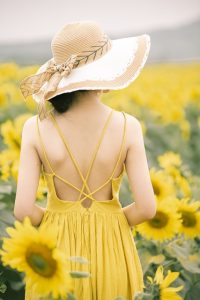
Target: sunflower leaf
79,274
79,259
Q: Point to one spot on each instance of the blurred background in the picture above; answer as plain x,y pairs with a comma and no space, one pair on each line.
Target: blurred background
27,27
165,98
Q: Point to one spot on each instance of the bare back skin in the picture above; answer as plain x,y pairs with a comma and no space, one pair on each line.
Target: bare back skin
81,126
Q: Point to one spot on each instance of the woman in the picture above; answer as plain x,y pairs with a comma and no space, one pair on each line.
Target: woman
84,148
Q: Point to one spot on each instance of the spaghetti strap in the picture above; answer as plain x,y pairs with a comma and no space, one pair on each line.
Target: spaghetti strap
122,145
72,157
43,148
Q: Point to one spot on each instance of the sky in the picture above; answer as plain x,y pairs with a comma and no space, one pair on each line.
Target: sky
25,20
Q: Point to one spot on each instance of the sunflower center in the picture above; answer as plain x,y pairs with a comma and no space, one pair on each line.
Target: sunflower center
40,259
159,221
156,189
189,219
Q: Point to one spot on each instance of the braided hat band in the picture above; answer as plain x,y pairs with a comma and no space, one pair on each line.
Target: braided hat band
84,57
54,72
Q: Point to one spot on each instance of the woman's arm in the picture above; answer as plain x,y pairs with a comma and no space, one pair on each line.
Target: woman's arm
28,177
144,207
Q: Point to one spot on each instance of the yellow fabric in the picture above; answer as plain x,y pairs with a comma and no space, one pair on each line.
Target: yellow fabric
100,233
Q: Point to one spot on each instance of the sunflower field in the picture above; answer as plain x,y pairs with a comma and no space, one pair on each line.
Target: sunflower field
165,98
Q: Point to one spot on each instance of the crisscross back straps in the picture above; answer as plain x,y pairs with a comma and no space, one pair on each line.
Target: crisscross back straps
93,157
110,177
92,161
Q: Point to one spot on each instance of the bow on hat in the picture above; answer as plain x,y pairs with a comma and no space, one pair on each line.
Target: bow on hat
53,75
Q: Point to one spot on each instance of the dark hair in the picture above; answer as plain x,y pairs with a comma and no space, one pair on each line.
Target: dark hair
63,102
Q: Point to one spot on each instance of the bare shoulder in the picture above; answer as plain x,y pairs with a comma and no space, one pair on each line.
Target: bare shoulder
29,130
30,125
132,120
134,131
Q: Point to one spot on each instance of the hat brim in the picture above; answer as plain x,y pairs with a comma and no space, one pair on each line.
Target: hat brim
115,70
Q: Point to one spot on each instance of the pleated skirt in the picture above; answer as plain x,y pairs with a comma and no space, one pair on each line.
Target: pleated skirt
105,239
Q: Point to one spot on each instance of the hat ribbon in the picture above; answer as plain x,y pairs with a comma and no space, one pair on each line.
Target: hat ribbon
53,74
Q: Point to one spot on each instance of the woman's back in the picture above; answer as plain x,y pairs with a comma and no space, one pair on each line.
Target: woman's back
100,135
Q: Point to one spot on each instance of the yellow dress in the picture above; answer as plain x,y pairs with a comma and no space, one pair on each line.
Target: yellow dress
99,232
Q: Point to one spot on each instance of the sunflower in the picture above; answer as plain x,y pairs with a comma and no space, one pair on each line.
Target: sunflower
11,131
169,159
162,184
190,215
34,252
163,291
183,184
164,225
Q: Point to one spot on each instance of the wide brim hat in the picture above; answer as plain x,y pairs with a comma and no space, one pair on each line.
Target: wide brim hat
84,57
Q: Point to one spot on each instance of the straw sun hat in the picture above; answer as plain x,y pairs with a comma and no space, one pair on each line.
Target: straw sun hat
84,57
